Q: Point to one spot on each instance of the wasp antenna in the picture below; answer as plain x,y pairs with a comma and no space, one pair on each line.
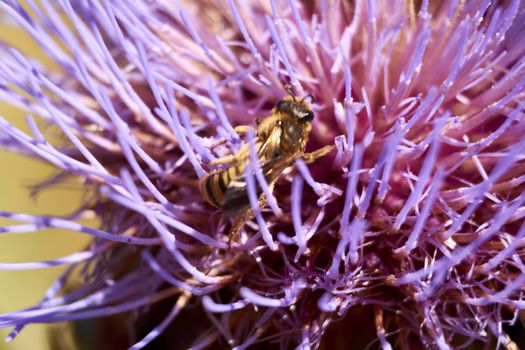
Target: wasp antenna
309,96
290,92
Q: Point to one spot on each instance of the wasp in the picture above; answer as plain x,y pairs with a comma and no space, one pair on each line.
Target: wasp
280,139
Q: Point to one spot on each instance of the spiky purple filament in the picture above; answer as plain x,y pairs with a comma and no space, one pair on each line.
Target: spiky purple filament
419,214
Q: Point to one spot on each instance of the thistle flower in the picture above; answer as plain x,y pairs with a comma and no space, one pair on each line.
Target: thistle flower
412,232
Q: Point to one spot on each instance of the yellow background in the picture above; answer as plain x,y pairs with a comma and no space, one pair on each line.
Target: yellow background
20,289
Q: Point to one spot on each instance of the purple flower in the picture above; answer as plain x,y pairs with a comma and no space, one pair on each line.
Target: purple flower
411,233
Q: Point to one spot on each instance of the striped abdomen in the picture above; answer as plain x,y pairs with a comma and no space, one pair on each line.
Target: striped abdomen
213,186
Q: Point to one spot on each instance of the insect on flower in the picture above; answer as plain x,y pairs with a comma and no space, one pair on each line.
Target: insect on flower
280,139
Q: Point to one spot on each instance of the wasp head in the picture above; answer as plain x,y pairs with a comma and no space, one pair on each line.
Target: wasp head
296,108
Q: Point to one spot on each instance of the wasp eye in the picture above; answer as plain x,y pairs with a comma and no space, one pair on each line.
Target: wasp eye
281,105
308,116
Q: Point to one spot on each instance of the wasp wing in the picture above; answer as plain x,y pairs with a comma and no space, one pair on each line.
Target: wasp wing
270,146
236,197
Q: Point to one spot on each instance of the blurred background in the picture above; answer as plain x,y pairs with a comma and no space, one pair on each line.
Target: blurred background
21,289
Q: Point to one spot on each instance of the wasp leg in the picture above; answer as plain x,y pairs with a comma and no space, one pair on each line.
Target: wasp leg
217,144
243,129
224,160
241,219
379,323
312,156
239,129
238,224
239,157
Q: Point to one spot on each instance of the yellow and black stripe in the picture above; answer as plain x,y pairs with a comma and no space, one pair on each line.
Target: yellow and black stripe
214,185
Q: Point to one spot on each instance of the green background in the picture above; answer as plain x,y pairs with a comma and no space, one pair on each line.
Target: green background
20,289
